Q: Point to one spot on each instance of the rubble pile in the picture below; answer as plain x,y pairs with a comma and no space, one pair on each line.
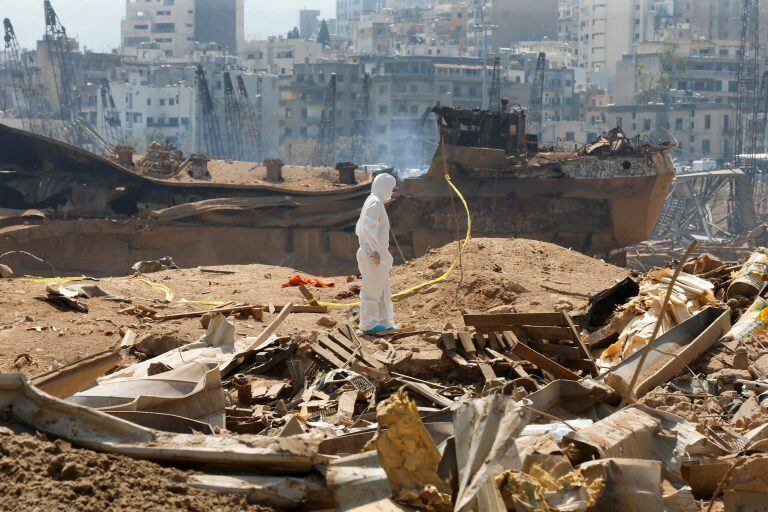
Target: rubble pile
563,384
161,159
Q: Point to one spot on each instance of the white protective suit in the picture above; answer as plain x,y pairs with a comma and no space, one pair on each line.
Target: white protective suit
372,232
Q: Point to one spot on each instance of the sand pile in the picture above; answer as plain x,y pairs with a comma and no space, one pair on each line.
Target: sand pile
510,275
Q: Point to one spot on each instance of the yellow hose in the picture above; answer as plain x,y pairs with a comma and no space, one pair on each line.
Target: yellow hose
439,279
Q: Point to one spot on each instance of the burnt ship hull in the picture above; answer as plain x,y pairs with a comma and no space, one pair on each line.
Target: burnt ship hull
102,217
592,204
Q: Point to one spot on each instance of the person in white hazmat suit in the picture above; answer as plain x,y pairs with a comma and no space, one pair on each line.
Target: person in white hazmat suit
374,259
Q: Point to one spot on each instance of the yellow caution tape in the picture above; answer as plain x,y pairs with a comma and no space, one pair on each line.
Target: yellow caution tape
216,303
437,280
157,286
55,280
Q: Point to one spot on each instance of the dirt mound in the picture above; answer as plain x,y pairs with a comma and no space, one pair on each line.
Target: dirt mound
507,274
43,475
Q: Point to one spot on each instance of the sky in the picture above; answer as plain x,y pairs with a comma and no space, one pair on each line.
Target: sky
96,23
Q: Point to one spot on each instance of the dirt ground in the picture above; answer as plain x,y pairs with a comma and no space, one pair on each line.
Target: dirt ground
35,337
38,475
509,275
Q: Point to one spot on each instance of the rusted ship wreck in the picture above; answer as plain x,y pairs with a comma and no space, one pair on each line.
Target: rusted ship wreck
97,214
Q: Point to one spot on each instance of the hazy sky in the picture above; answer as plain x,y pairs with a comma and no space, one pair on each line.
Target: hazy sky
96,23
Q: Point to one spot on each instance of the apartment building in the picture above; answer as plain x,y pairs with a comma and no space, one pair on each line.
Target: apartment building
173,26
609,29
221,22
302,97
699,68
160,102
404,88
568,22
350,11
702,129
371,35
279,55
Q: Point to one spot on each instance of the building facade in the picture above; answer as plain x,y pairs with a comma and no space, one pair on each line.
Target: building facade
174,26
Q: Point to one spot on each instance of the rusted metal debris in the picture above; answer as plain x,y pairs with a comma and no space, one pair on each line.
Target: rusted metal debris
513,414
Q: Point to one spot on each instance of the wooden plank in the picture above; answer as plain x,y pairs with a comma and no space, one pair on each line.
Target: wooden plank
514,363
191,314
494,342
479,341
584,350
487,371
263,338
571,353
327,355
449,341
601,337
342,351
457,359
299,309
308,295
513,319
538,359
548,332
360,350
466,343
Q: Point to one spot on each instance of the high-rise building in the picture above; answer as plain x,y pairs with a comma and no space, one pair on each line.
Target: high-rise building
174,26
309,23
523,20
609,30
220,22
349,11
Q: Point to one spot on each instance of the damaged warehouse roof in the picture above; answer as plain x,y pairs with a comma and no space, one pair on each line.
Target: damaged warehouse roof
517,385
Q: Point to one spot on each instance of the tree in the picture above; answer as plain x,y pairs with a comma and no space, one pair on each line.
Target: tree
294,34
324,36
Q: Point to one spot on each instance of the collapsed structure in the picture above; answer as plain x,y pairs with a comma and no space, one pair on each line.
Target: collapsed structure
524,407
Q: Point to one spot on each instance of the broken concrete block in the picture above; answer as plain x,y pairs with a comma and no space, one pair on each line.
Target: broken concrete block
740,359
6,272
759,369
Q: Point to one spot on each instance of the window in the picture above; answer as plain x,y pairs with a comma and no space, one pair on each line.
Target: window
383,110
618,122
149,101
726,122
414,110
164,28
646,125
141,27
678,124
382,128
705,146
707,122
171,102
162,102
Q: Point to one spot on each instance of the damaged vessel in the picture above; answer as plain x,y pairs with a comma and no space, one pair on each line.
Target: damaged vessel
104,213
